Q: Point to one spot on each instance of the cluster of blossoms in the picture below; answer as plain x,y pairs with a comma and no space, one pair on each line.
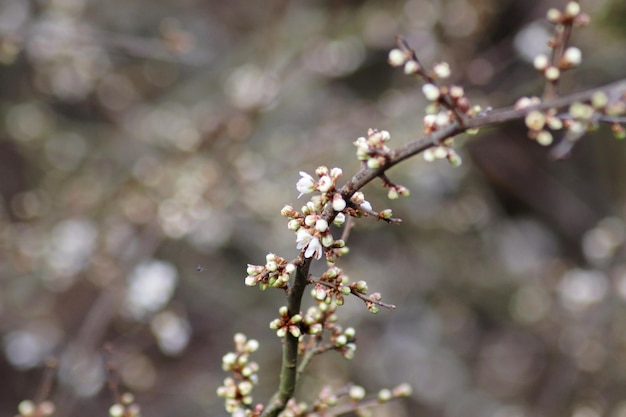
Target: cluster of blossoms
323,317
313,234
331,286
315,240
237,388
350,398
275,273
447,103
577,120
580,117
566,58
126,407
372,150
443,151
285,324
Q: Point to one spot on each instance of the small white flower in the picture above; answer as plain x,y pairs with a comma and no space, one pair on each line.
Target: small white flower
431,91
396,57
366,205
573,56
321,225
306,184
325,184
442,70
552,73
328,240
541,62
304,239
442,119
293,225
319,292
340,219
314,249
572,9
321,170
336,173
338,203
358,197
411,67
440,152
361,142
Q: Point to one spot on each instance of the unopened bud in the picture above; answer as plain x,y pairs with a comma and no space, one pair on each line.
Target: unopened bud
396,57
431,92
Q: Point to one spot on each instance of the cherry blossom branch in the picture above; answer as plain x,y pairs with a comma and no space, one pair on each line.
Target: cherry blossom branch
288,379
289,366
366,175
448,115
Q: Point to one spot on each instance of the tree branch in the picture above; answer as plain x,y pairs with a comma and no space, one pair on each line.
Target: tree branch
289,367
288,376
365,175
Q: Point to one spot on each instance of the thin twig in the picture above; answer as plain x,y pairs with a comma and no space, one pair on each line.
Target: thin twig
393,220
353,292
348,225
445,99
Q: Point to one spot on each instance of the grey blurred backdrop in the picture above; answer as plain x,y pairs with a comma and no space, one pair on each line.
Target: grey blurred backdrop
140,139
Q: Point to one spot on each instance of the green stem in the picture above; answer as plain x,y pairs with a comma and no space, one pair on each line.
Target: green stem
288,373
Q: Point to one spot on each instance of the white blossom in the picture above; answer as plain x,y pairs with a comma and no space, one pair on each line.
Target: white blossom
338,203
304,239
325,184
306,184
321,225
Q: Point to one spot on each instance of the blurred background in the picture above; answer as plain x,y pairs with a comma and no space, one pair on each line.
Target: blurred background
147,147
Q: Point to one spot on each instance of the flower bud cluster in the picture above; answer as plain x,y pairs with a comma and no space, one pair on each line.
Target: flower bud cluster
584,117
538,122
442,113
356,395
28,408
396,190
275,273
571,14
444,151
327,180
403,58
295,409
285,324
372,302
448,103
237,389
579,118
323,317
332,286
566,58
372,150
312,230
127,407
